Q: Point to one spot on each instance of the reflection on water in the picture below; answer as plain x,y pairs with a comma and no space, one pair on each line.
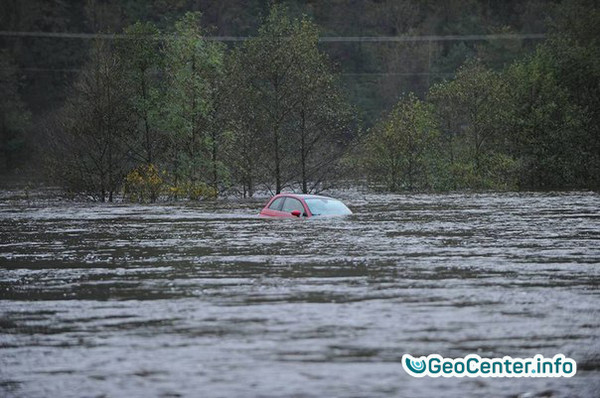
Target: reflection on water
209,300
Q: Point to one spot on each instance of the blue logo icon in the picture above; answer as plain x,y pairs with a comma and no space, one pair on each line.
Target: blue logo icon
414,366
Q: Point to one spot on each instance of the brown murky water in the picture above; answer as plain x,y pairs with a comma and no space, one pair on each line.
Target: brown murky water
209,300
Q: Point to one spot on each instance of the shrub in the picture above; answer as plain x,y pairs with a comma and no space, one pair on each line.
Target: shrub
144,183
192,191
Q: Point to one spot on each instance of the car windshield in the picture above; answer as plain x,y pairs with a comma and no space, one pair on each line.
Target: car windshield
326,207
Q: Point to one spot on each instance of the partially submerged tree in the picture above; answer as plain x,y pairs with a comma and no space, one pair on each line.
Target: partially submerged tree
323,121
547,125
194,68
270,61
400,150
574,50
475,113
245,155
88,145
139,54
303,120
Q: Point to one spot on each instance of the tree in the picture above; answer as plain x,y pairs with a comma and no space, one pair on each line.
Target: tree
194,78
296,105
574,49
474,110
547,124
556,93
245,154
270,61
323,120
88,151
400,149
141,64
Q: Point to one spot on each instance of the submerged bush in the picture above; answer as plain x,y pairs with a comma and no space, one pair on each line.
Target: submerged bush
144,183
192,191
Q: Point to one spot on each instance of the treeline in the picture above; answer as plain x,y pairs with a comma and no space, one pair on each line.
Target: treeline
534,125
170,113
166,113
373,73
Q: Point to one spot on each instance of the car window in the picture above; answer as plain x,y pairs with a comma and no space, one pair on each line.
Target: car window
276,204
292,204
327,207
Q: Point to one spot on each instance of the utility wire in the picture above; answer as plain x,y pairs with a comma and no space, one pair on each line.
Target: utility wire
323,39
348,74
428,38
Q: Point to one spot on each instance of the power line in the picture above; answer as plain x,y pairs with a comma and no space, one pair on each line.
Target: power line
344,74
428,38
60,35
396,74
324,39
57,70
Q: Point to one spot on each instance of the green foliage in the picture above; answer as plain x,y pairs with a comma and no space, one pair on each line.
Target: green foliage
270,113
270,64
399,151
534,125
192,190
547,124
475,113
294,99
148,184
574,50
142,62
194,69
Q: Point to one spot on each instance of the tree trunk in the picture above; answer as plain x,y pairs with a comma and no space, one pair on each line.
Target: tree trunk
276,139
146,124
277,167
303,153
214,158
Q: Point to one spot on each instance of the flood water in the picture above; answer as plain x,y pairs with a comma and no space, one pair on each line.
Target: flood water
208,300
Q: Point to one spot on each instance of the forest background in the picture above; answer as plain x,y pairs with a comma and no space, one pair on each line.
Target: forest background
196,99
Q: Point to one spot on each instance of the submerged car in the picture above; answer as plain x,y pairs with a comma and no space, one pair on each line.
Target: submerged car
297,205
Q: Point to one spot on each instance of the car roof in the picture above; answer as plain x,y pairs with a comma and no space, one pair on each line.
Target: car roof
303,196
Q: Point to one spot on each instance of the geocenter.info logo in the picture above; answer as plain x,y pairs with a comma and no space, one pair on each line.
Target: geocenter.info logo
473,365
